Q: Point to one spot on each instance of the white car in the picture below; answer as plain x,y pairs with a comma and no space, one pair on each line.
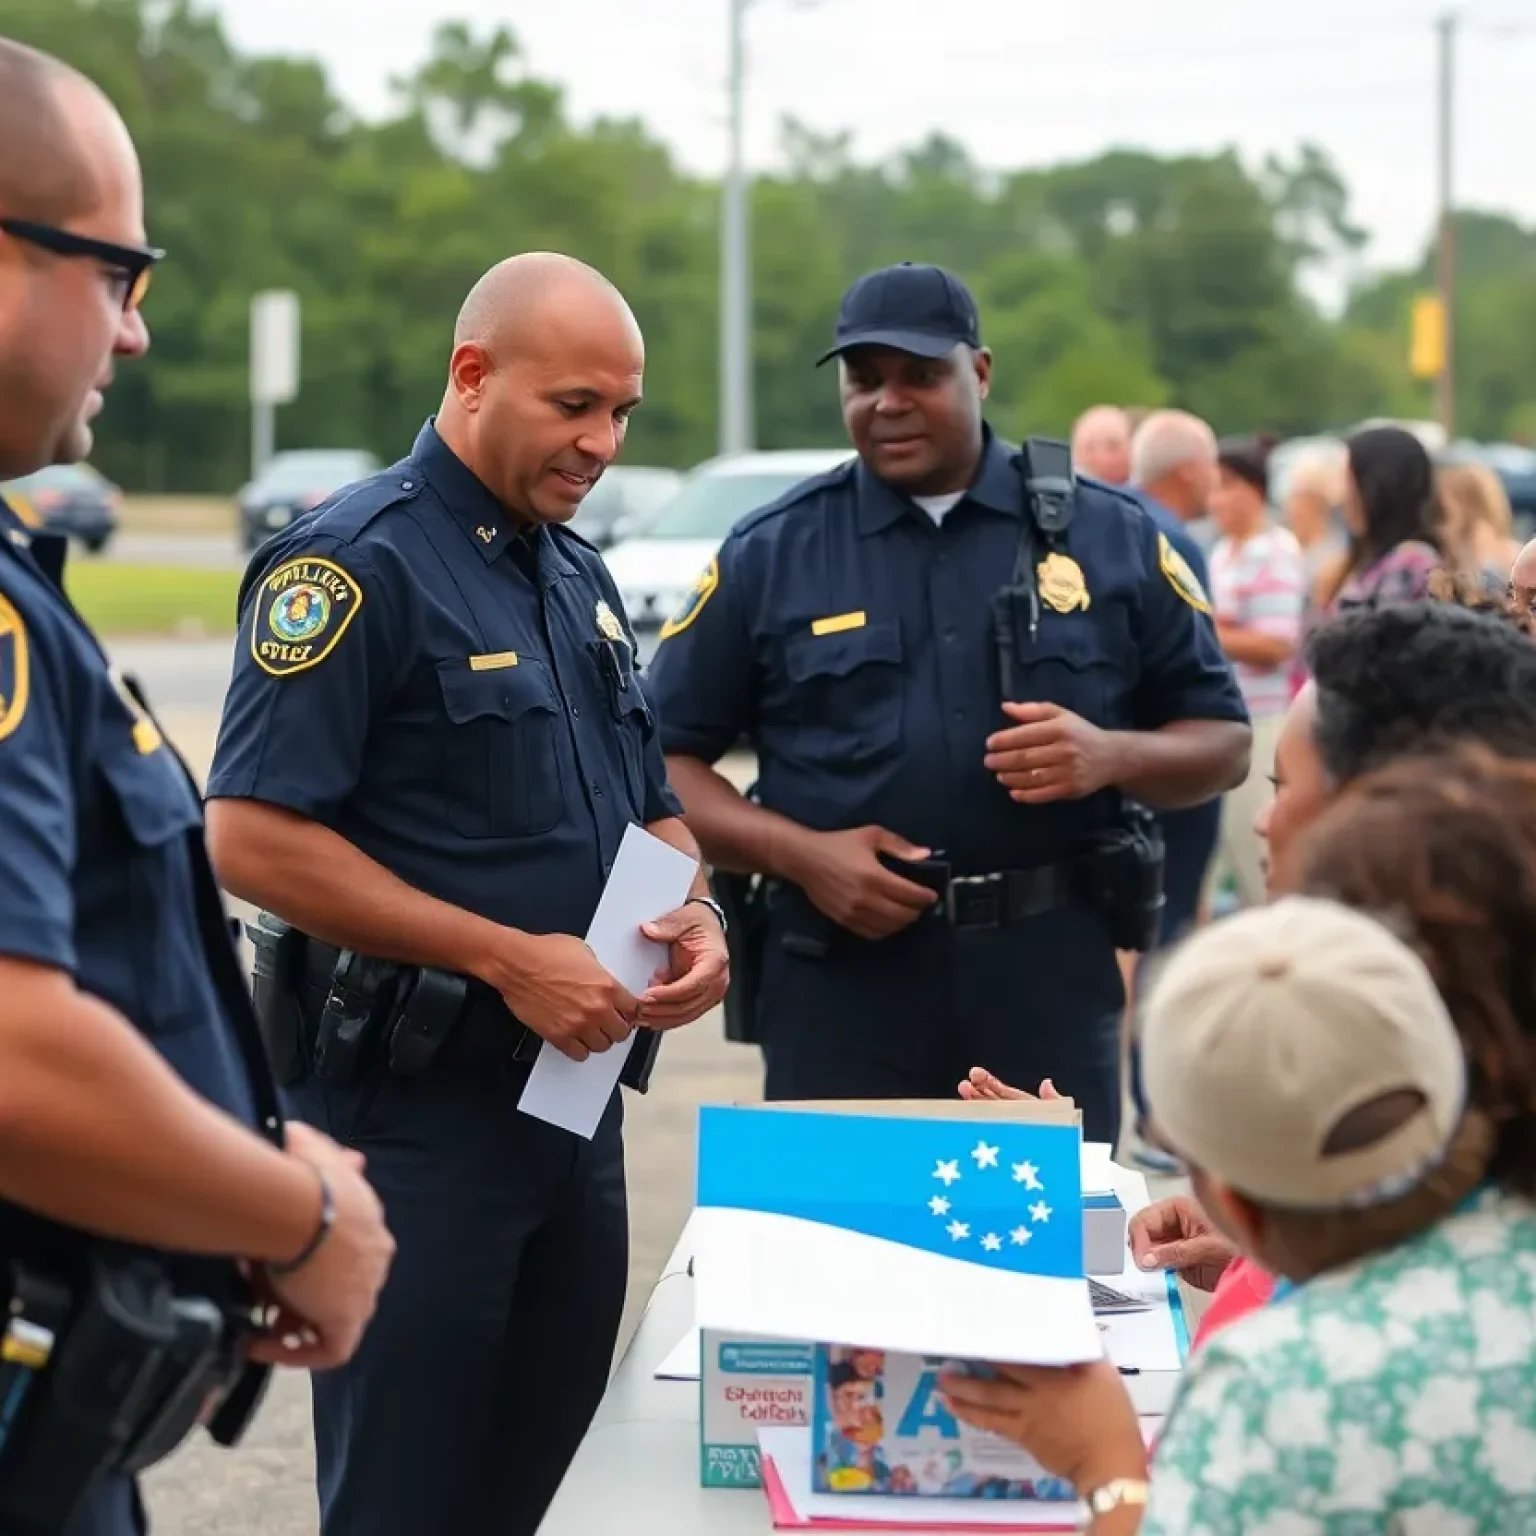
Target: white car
655,571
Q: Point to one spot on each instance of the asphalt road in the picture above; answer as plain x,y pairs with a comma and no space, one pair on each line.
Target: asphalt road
207,551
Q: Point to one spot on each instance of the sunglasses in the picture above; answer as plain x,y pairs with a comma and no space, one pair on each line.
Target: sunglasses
134,263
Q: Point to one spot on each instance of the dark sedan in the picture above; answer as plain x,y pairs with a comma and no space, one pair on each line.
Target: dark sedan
294,483
71,499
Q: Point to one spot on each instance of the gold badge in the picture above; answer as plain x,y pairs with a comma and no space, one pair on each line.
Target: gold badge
15,680
693,605
1183,580
1061,584
301,612
608,623
146,734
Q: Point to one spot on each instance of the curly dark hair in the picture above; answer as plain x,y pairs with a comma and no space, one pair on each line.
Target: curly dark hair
1442,847
1410,677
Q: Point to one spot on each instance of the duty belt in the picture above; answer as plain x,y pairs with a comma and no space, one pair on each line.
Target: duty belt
486,1031
1006,896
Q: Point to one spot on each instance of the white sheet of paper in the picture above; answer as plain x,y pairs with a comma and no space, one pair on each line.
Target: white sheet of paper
684,1361
649,879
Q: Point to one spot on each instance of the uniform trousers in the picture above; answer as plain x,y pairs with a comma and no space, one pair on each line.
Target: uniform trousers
111,1509
492,1345
909,1016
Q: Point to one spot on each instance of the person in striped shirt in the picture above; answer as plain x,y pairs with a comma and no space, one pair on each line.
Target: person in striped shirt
1259,595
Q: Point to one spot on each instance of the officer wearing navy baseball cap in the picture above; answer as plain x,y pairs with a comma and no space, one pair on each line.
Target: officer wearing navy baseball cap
945,753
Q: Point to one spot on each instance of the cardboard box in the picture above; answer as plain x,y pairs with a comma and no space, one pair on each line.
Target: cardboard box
1104,1233
880,1426
749,1381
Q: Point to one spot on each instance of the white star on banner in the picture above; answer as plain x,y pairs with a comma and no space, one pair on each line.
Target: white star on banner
949,1171
1027,1175
958,1230
1040,1211
1020,1236
986,1157
992,1242
939,1206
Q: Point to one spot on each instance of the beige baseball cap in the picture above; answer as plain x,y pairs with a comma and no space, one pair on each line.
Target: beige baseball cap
1266,1029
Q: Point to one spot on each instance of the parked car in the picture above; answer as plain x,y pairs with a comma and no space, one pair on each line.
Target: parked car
295,482
655,570
71,499
621,503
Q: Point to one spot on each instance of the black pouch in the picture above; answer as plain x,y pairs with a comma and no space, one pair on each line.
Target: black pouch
1120,875
431,1003
744,901
353,1019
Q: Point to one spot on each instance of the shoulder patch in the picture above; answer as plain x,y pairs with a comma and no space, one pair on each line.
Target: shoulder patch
1183,580
693,605
14,669
301,612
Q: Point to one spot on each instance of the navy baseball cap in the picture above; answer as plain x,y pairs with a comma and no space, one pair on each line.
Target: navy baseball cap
911,307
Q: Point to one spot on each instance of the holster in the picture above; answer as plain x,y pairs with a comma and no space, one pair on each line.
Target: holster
1120,875
356,1013
743,899
274,994
129,1370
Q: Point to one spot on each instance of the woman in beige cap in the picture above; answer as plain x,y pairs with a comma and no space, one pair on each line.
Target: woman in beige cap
1356,1102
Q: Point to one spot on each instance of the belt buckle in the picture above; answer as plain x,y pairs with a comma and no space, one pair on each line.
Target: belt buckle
993,909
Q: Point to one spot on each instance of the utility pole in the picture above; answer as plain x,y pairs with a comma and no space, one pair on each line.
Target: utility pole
1445,250
736,426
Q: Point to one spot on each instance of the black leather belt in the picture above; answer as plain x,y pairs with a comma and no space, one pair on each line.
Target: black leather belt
487,1030
1008,896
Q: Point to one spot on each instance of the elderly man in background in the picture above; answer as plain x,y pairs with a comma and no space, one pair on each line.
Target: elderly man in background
1522,588
1101,444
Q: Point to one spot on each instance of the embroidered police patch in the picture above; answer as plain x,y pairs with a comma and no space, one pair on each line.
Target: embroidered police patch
693,605
1183,580
14,669
302,611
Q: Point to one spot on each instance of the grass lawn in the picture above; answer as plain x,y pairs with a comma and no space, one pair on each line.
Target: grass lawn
175,602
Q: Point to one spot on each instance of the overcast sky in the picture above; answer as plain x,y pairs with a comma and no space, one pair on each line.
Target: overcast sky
1019,82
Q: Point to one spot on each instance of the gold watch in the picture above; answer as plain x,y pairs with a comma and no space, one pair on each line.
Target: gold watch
1119,1493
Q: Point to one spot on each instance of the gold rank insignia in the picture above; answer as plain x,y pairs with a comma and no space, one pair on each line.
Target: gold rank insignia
1060,580
146,734
14,669
301,612
693,605
1183,580
608,623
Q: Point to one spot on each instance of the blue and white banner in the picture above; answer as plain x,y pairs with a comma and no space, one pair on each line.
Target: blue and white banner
941,1237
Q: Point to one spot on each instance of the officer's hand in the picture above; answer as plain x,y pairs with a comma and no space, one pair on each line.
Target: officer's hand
698,968
561,991
844,878
1051,754
1176,1234
325,1305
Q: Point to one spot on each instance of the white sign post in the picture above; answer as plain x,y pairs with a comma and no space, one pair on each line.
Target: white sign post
274,365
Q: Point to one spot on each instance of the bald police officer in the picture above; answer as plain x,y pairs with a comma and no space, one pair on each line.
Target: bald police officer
434,741
944,753
135,1104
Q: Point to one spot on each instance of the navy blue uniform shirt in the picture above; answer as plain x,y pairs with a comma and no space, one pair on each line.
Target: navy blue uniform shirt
456,699
851,641
101,836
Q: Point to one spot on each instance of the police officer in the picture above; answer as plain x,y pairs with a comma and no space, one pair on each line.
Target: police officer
434,740
139,1124
937,836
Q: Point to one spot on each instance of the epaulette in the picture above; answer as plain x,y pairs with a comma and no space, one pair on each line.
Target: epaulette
566,531
829,479
350,510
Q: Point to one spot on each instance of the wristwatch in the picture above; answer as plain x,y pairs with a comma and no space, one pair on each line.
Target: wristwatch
713,905
1119,1493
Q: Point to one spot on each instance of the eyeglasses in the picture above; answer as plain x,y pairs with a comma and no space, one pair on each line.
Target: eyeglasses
135,263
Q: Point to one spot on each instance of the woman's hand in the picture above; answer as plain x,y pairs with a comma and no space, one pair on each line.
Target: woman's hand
981,1084
1077,1421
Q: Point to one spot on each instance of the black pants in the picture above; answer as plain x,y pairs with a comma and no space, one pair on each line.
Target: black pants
909,1016
494,1338
113,1509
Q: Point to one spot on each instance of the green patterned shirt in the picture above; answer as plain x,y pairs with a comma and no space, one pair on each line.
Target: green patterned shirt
1395,1397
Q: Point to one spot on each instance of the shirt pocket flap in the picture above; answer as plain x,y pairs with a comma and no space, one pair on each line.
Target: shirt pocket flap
156,803
1076,645
809,656
505,693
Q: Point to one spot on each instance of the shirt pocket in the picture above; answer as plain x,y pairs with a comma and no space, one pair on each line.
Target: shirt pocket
161,957
501,766
636,723
1082,665
848,694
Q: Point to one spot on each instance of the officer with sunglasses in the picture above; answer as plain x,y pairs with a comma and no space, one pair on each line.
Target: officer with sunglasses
162,1234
